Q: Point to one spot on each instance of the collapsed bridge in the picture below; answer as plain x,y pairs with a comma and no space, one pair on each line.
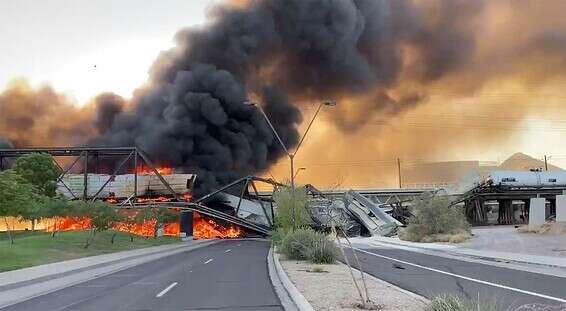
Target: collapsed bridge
135,183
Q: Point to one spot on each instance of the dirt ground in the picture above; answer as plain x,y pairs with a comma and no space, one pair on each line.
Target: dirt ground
508,239
334,289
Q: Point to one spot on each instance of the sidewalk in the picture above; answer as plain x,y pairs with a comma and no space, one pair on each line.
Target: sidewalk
526,248
23,284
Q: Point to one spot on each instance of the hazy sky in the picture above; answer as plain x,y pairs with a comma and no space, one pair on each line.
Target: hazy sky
61,41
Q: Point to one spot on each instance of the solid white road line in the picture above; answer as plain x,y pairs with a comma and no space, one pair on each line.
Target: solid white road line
228,250
466,278
163,292
208,261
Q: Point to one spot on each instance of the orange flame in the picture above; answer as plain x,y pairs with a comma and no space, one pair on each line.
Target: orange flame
146,229
153,199
164,170
69,223
187,197
208,229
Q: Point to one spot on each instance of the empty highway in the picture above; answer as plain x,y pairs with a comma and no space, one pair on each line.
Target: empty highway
430,276
229,275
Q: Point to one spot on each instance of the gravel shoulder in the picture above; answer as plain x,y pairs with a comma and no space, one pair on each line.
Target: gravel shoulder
335,290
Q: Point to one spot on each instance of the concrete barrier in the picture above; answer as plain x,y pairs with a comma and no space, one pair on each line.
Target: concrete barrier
537,211
561,207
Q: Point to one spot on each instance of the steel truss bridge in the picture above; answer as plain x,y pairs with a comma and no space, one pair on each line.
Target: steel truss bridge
130,157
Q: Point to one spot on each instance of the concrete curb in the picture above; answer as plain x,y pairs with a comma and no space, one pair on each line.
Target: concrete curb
290,291
26,292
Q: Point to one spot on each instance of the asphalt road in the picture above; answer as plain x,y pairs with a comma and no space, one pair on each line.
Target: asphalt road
229,275
429,276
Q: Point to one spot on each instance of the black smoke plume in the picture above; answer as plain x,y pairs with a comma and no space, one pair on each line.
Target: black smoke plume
382,55
193,116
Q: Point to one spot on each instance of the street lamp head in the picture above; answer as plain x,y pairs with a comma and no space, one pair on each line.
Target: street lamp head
329,103
249,103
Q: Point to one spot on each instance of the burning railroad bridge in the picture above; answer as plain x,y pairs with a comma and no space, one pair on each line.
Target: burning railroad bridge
126,178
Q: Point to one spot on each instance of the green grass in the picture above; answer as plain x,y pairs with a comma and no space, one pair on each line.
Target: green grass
38,248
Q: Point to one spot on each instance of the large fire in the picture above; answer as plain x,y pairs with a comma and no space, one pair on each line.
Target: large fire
147,228
204,228
164,170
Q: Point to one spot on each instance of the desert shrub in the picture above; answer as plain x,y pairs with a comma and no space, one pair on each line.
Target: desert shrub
322,251
455,303
307,244
295,244
317,269
284,212
278,235
434,220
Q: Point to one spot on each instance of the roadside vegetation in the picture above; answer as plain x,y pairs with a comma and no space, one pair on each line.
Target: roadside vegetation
434,220
284,199
304,243
28,193
456,303
307,244
549,228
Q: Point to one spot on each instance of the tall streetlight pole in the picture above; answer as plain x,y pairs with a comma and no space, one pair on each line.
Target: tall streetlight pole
291,155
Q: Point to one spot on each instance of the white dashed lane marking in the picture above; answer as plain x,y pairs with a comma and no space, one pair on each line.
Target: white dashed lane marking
168,288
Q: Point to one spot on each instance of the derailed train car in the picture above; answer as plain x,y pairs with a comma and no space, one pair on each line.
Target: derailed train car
123,186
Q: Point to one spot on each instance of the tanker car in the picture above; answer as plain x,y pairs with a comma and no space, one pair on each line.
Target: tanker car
525,179
122,186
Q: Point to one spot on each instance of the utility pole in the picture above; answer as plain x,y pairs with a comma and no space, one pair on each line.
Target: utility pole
545,163
399,172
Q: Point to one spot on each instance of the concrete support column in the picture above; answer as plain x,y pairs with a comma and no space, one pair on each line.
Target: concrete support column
187,223
537,211
561,207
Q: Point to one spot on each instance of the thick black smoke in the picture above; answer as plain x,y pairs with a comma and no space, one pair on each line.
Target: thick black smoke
108,106
199,123
383,56
193,116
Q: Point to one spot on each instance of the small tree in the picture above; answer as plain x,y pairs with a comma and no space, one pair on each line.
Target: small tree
433,216
284,200
34,212
57,208
39,170
144,215
102,216
16,197
130,221
163,215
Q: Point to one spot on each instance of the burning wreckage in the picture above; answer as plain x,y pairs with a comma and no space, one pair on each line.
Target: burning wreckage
354,213
218,218
234,210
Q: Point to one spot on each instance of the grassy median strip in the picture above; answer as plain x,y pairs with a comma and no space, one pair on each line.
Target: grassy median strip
38,248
